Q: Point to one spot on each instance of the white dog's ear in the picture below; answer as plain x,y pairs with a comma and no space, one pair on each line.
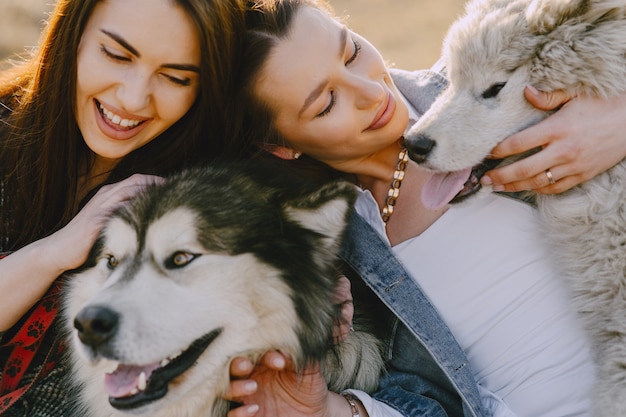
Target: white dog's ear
324,211
545,15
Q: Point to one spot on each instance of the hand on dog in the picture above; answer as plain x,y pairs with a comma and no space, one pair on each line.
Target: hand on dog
584,138
272,388
73,242
343,299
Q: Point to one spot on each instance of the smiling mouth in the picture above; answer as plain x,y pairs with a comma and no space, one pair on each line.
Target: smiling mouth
132,386
116,121
382,117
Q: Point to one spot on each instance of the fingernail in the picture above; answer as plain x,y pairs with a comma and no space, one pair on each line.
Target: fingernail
533,90
278,361
486,180
250,387
244,366
498,188
252,409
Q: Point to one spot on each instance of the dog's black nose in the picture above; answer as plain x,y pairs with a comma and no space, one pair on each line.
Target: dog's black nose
419,147
96,325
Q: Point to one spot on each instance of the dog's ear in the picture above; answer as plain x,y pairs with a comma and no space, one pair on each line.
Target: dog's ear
543,16
325,210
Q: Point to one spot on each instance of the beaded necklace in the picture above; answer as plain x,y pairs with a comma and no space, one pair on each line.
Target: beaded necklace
394,188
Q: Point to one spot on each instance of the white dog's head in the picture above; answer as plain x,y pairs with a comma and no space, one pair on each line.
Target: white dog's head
491,54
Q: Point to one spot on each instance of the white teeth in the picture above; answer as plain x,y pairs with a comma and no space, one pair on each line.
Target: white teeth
164,362
115,119
141,383
134,391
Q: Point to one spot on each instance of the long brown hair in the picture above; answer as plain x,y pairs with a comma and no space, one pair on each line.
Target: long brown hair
267,23
42,151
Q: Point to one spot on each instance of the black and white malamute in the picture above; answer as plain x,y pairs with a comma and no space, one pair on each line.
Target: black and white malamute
215,263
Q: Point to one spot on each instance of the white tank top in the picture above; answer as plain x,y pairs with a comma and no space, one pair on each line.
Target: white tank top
486,268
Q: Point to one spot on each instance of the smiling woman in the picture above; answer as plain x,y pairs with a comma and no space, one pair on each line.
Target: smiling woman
143,102
500,337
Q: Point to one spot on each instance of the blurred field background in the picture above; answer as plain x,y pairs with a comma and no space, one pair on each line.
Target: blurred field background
407,32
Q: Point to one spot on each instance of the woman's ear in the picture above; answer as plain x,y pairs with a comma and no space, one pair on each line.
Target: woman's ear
281,151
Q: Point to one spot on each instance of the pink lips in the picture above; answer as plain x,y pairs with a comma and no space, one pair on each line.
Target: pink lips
114,131
385,114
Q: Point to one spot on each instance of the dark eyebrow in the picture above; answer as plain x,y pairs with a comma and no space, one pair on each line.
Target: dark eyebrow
343,39
122,42
132,50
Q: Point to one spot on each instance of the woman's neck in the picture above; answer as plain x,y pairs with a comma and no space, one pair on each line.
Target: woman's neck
95,175
410,218
377,171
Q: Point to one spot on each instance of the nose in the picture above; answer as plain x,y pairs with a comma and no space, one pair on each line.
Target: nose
369,91
419,146
134,93
96,325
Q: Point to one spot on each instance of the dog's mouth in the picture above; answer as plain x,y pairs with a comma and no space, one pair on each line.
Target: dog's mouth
133,386
444,188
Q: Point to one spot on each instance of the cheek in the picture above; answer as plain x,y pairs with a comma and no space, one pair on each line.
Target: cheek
174,105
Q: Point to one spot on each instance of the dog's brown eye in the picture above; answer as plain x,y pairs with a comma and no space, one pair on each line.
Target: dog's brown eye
493,90
112,262
180,259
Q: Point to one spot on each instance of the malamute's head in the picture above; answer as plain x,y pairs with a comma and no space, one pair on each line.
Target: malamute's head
216,262
491,54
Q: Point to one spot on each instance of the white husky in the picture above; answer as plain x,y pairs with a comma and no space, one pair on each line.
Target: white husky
218,262
491,54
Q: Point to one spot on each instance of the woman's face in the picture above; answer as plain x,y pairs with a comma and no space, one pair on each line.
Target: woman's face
135,76
331,93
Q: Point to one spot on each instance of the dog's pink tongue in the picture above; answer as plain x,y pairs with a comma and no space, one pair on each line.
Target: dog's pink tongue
441,188
125,378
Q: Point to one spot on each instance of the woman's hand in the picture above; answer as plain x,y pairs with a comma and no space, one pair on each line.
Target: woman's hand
343,299
585,137
273,388
70,245
26,274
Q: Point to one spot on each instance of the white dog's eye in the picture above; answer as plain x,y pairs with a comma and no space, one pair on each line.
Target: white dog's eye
179,259
493,90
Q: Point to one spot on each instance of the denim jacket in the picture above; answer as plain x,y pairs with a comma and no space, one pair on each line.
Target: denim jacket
428,372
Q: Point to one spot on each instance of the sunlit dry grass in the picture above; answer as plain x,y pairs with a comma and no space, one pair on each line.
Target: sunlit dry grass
408,32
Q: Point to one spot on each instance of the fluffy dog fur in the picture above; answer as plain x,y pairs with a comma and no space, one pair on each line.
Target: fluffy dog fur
216,263
579,46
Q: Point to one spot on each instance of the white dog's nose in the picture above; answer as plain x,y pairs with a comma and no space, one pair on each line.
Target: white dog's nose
419,146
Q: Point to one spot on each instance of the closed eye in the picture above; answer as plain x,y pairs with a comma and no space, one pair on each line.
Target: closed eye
330,106
355,55
112,55
493,90
179,81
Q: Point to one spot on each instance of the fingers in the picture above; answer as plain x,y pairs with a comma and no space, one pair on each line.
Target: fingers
551,181
343,291
535,136
343,298
546,100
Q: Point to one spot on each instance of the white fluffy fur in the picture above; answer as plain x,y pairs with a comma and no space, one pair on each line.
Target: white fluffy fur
578,46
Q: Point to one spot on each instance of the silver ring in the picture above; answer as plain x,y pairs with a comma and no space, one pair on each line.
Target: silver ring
550,177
